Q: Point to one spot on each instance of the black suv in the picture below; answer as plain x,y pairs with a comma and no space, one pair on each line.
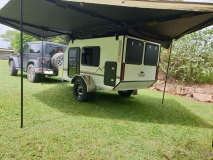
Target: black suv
39,58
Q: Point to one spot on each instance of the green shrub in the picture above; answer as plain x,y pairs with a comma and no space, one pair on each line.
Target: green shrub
205,78
191,58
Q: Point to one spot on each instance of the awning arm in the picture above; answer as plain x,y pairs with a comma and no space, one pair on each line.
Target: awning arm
16,27
95,15
195,28
31,25
164,19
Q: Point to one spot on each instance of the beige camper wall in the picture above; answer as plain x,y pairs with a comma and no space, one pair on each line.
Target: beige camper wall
109,50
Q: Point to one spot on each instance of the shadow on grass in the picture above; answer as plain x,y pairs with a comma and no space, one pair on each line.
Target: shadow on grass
141,108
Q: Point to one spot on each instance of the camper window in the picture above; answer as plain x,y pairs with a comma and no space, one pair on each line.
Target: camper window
151,54
134,51
90,56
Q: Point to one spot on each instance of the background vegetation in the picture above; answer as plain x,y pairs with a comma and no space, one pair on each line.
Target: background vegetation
191,58
110,127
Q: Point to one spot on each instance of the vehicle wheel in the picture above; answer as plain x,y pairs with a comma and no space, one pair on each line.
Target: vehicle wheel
13,71
57,60
125,93
31,74
80,90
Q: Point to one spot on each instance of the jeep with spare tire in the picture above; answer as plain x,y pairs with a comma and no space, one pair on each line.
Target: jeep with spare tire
39,59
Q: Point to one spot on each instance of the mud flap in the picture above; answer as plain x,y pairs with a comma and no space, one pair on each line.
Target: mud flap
135,92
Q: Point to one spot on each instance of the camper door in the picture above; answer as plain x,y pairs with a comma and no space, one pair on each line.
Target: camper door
73,61
140,60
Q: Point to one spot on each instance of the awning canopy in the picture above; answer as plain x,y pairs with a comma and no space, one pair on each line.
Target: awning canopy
158,21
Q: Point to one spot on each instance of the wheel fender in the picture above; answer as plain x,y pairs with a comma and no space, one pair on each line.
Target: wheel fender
34,62
15,60
91,87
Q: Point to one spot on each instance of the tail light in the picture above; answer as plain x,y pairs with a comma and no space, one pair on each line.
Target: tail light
122,71
40,70
41,59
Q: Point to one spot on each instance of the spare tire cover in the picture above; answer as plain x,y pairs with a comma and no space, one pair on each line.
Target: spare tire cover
57,60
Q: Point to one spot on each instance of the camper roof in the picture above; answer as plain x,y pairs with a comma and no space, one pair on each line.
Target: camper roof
158,21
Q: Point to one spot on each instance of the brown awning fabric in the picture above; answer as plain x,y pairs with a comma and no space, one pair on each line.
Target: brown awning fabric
158,21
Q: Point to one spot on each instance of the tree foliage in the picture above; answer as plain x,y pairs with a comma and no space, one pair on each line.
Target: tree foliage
13,36
191,58
9,36
63,39
16,41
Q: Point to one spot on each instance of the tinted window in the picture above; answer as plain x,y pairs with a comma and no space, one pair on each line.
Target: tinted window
151,54
90,56
134,51
35,48
72,56
73,61
53,49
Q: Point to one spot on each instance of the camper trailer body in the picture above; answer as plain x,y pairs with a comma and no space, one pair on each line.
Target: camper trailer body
119,63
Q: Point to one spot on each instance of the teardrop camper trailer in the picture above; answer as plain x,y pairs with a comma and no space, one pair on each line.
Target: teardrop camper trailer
118,63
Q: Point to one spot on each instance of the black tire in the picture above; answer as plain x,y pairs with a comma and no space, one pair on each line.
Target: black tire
80,90
31,74
13,71
57,60
125,93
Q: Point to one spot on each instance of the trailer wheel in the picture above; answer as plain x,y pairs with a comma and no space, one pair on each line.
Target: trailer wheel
57,60
125,93
80,90
13,71
32,76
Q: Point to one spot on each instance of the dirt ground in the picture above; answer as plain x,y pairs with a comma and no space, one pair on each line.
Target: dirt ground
170,80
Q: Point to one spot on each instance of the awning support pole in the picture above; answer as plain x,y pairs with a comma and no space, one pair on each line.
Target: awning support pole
170,51
21,46
42,77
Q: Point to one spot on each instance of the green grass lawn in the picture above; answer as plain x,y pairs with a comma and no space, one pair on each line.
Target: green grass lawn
110,127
